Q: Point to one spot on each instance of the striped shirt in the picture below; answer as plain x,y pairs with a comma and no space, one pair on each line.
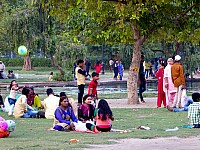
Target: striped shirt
194,113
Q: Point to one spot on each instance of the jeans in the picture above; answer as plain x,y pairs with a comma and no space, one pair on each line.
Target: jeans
12,101
29,114
185,108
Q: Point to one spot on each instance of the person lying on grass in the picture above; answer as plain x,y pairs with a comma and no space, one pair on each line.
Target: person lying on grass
193,111
103,118
86,110
64,116
189,101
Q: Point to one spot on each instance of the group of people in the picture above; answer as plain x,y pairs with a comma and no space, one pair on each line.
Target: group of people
3,74
87,66
117,67
24,103
171,83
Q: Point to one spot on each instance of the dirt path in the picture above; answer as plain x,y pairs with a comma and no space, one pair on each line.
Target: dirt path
122,103
170,143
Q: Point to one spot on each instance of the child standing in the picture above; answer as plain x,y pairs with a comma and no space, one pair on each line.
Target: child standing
14,89
92,87
120,70
161,94
103,118
98,67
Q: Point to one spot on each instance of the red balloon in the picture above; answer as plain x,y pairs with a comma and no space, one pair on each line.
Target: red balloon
6,134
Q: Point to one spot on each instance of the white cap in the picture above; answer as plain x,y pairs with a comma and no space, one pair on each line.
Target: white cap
177,58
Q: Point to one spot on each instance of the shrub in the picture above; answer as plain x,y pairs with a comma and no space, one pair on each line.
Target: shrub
36,62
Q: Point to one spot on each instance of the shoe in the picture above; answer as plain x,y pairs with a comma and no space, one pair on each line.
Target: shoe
142,101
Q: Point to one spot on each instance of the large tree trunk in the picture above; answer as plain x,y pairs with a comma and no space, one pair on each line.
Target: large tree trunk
27,63
134,68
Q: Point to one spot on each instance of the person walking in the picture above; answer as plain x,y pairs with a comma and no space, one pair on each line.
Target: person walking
87,67
178,80
141,79
115,69
80,75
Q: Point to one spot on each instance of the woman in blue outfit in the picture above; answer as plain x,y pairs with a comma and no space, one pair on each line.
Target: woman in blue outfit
64,116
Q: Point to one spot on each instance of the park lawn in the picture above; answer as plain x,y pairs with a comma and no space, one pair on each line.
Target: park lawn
33,134
38,74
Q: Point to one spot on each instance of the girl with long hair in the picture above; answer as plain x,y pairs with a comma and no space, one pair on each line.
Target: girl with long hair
104,116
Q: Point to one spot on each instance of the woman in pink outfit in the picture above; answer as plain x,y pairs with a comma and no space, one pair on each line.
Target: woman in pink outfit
168,86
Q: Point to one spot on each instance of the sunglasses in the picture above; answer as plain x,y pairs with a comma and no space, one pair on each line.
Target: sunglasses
66,101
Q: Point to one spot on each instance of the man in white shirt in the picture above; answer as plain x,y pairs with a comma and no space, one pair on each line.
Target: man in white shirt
50,104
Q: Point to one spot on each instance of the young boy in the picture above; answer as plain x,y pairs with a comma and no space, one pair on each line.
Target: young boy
92,87
194,111
80,75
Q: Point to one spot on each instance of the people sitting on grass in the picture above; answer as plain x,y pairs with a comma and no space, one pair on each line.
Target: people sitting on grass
33,99
103,118
50,104
64,116
189,101
22,109
193,111
72,102
86,110
11,74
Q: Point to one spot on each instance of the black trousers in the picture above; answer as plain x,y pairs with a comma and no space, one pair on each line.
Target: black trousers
80,93
1,101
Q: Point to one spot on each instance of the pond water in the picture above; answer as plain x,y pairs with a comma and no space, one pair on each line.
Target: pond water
105,89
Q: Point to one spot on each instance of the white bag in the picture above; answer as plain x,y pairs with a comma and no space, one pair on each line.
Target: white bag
183,98
80,126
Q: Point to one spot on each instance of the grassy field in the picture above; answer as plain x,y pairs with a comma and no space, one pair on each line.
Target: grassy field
33,134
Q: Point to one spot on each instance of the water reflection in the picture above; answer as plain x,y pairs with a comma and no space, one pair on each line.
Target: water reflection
103,89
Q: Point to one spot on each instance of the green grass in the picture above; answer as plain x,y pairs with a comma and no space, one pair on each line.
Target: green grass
32,134
38,74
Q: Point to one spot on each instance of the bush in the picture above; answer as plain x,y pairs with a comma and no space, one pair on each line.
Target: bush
67,77
41,62
58,77
36,62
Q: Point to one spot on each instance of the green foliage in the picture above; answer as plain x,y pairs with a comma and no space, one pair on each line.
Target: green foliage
36,62
68,76
41,62
59,77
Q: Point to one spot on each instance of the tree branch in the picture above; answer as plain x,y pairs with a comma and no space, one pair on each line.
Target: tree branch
187,10
119,1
